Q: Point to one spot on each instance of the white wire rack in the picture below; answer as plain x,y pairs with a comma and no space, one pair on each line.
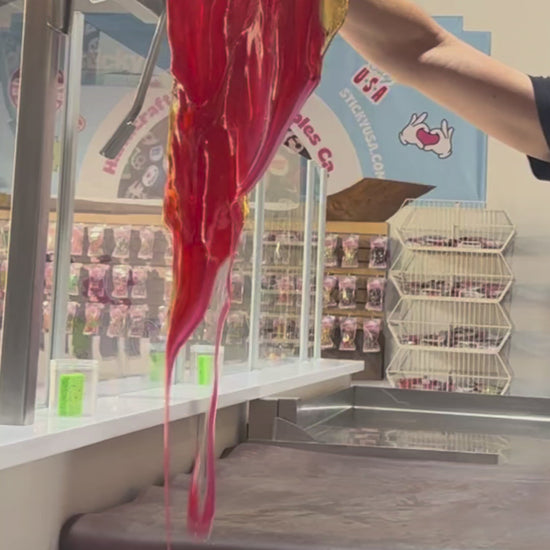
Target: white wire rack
447,441
431,370
452,326
443,276
437,225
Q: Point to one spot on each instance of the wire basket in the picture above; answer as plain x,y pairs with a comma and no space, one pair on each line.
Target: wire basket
452,326
459,226
452,277
449,372
447,441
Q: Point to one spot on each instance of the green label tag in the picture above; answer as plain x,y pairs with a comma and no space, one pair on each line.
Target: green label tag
205,367
70,401
157,363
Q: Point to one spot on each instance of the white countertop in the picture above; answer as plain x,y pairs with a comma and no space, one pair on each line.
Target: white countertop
131,412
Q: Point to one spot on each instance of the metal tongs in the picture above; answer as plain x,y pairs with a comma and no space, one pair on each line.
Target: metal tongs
126,128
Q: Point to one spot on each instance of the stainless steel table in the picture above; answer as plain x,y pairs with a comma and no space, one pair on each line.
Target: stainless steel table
276,497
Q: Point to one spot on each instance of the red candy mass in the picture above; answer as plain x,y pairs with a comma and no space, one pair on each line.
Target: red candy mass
242,70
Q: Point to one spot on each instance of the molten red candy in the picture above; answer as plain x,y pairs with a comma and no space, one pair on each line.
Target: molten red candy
242,69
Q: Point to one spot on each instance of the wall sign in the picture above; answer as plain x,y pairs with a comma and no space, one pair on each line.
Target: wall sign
363,124
359,124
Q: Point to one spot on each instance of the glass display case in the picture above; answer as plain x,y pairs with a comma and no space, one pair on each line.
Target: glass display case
273,279
120,285
105,270
289,259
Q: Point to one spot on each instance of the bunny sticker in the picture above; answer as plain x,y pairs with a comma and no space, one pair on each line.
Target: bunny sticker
436,140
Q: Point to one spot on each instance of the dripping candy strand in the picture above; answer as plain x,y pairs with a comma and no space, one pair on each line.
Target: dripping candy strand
169,215
238,121
201,518
167,468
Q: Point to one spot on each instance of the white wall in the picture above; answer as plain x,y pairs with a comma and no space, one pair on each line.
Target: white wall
520,37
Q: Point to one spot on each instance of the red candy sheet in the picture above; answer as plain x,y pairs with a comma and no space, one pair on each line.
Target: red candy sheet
242,70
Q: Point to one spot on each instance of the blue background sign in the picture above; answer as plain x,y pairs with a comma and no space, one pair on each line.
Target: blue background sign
358,124
366,125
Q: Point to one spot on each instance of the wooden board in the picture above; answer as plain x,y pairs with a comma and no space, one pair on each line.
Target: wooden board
372,200
357,228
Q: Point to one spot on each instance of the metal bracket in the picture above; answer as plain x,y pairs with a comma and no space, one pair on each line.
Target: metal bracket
61,19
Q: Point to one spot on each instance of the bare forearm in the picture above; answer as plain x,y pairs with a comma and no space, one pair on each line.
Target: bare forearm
391,33
404,41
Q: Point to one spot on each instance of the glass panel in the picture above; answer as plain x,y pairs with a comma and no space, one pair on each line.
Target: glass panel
316,238
46,340
11,31
236,333
47,310
283,257
10,55
120,272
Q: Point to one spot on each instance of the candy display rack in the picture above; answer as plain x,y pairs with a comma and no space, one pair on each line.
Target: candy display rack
449,371
467,276
453,326
282,287
357,258
431,225
450,327
120,284
291,225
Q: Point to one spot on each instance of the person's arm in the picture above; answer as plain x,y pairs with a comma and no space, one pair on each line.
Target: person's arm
405,42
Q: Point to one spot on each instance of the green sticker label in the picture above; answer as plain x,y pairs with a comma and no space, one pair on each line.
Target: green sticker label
70,401
158,361
205,367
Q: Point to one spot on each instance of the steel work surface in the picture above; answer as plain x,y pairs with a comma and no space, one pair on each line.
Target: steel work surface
405,425
273,498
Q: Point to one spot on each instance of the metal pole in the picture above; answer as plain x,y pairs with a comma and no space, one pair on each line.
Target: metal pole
256,298
29,216
306,272
127,127
67,185
320,274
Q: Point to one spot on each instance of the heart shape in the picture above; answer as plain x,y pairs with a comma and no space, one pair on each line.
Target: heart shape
427,138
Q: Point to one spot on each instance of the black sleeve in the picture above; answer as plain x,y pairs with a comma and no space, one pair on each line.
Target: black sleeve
541,86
